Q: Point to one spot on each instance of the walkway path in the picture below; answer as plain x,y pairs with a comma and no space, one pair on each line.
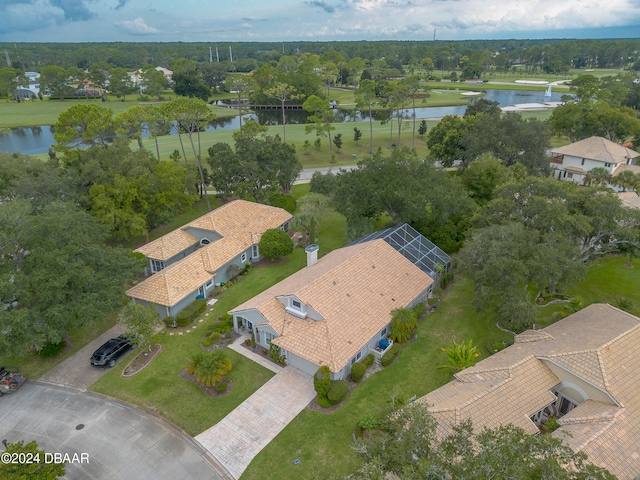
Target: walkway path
243,433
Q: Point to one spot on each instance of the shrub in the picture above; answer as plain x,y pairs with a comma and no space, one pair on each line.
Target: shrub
497,346
189,314
391,355
275,243
461,355
284,201
246,269
323,401
51,349
170,322
368,360
367,422
233,271
337,391
222,387
323,183
419,310
403,324
224,324
358,370
322,380
625,304
208,368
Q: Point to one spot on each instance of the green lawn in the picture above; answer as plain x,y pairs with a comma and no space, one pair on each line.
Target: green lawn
323,441
159,387
46,112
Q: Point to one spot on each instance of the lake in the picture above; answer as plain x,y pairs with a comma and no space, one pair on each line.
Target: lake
34,140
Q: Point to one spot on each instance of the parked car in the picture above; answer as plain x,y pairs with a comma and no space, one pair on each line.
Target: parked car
111,351
10,380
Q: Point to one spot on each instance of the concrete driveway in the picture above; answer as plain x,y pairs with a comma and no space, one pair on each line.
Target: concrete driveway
236,439
120,441
76,371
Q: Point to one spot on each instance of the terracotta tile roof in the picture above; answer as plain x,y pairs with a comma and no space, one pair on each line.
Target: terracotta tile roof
598,344
597,148
354,289
240,223
237,219
168,245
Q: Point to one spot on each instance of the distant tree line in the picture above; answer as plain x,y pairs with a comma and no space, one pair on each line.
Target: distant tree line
551,55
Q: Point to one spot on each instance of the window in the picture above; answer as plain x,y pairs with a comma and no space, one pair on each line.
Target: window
255,252
359,356
296,304
205,241
582,162
607,165
243,257
209,283
156,265
383,332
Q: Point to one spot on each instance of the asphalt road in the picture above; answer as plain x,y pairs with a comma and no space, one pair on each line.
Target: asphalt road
119,441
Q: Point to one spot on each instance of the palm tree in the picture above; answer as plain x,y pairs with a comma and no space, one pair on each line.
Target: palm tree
597,176
461,355
403,323
208,368
626,179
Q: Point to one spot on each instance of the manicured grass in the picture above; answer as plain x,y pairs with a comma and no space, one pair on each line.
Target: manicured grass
33,367
160,388
323,442
46,112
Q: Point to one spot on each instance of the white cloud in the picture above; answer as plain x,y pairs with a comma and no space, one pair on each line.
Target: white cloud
137,27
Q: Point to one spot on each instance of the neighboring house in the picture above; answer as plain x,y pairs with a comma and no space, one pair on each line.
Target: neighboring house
335,311
629,199
584,370
190,261
574,161
168,74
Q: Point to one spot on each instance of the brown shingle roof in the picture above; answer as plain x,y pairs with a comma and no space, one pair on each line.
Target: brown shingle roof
598,344
597,148
354,289
240,223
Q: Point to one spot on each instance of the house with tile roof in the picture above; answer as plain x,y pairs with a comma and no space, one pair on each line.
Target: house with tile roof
190,261
574,161
336,310
584,370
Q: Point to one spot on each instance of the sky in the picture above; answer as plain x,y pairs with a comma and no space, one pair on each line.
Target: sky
313,20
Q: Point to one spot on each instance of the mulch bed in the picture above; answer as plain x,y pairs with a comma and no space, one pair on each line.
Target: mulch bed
210,391
141,361
269,263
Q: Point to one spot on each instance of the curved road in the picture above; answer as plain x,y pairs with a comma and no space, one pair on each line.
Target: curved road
120,441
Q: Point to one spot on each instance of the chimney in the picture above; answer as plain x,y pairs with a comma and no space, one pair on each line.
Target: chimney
312,254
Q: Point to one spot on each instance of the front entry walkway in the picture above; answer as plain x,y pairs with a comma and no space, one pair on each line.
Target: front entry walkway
241,435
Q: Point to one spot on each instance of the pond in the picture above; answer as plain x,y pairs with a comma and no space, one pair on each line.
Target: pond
34,140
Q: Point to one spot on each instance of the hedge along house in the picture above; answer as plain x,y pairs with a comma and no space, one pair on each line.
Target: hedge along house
336,310
189,262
